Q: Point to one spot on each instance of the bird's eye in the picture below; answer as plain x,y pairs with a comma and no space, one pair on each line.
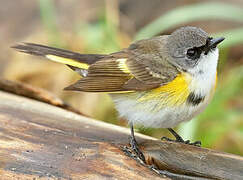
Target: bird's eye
193,53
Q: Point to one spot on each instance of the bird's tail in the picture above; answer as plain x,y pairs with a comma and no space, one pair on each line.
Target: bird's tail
72,59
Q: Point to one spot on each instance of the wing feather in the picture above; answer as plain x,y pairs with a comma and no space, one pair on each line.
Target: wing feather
98,84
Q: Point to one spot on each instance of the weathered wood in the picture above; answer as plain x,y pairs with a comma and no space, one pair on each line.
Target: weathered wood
39,94
38,140
193,161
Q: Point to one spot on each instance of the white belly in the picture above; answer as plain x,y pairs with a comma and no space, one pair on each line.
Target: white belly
168,117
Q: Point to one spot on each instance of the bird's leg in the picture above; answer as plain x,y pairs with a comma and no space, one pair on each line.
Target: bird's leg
134,144
180,139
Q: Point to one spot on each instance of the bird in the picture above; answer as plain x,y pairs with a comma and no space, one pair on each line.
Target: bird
157,82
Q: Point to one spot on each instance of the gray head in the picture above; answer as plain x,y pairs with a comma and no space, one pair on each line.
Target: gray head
187,44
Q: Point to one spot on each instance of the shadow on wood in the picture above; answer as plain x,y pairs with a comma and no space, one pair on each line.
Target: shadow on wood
38,140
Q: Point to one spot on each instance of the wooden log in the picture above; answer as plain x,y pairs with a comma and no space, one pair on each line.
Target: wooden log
38,140
39,94
193,161
41,141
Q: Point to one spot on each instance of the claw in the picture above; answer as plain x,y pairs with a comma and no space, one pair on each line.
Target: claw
180,139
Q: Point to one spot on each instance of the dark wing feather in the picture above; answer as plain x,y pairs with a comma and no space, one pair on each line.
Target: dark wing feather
98,84
103,76
107,67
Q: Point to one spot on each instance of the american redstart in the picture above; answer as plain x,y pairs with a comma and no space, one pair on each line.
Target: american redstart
157,82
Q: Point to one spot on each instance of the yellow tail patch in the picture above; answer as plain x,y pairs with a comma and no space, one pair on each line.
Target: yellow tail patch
67,61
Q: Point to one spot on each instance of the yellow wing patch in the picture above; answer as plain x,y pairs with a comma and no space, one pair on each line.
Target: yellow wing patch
67,61
174,93
122,65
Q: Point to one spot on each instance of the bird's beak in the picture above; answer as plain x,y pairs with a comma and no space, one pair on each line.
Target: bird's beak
214,42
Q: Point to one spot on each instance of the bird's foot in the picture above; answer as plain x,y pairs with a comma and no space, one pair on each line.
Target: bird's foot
196,143
135,149
180,139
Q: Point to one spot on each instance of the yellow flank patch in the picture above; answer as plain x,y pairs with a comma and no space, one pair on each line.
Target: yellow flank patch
67,61
174,93
122,65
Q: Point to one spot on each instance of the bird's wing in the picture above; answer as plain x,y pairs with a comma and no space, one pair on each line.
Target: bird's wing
138,68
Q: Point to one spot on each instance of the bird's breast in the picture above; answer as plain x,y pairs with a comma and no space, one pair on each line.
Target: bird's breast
174,93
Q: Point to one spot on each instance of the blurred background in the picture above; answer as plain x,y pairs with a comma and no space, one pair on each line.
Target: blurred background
105,26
